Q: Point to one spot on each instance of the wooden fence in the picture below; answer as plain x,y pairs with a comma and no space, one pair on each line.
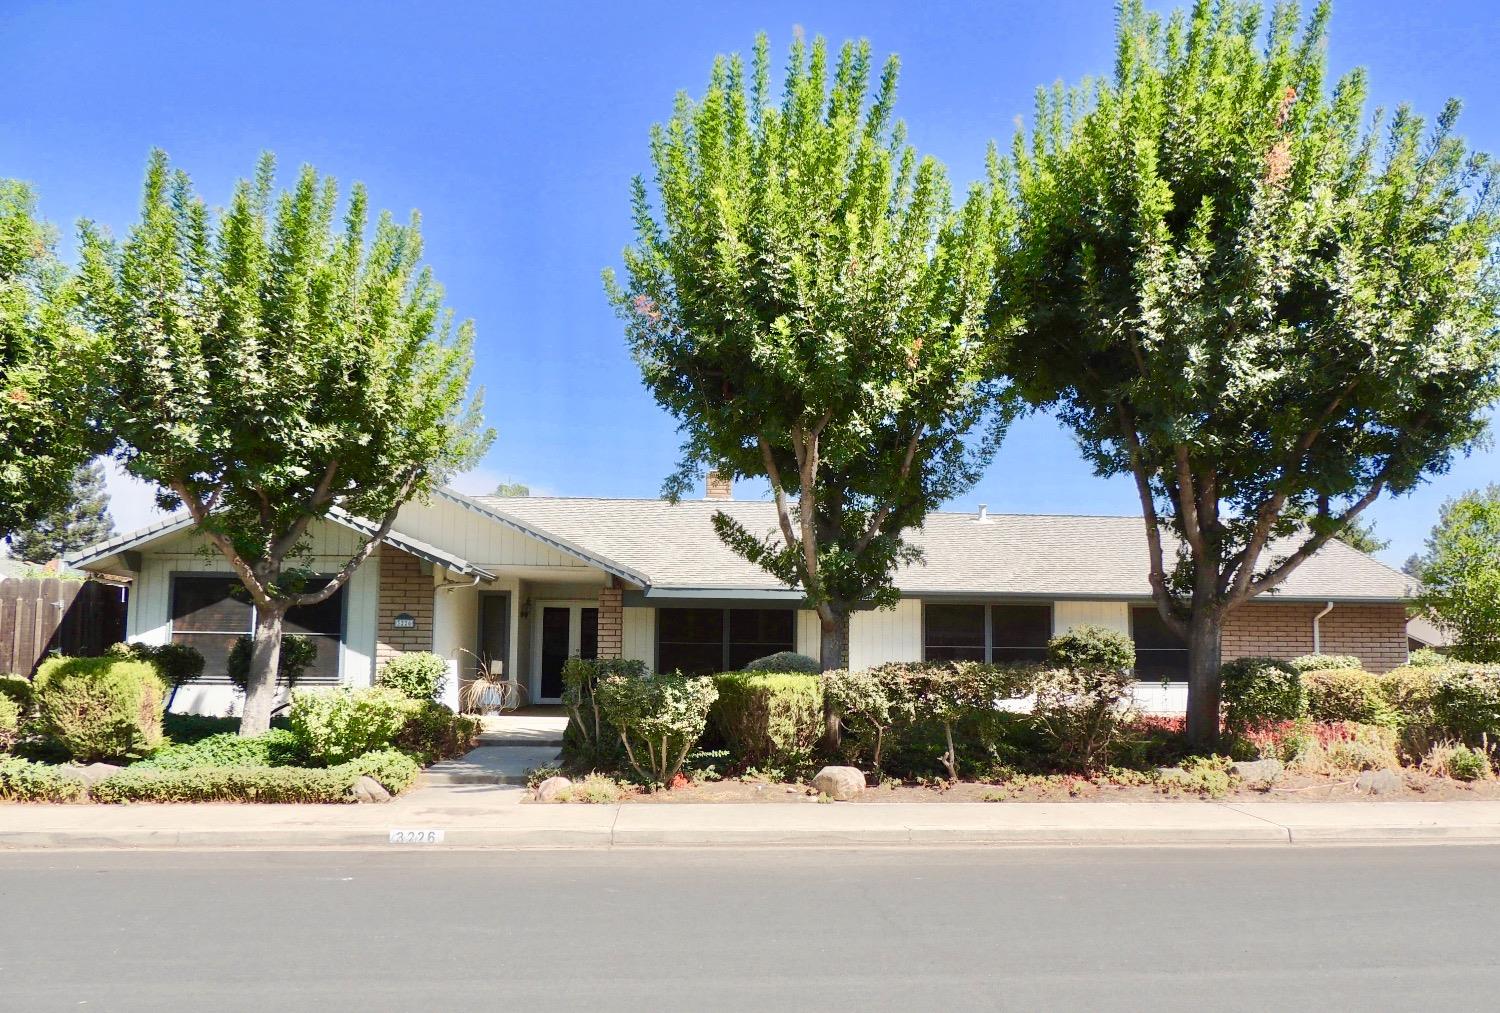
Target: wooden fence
39,615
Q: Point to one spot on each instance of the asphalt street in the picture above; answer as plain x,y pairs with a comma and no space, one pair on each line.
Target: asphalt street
1033,929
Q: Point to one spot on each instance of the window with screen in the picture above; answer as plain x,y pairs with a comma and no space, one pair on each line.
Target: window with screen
702,641
210,611
1159,652
999,632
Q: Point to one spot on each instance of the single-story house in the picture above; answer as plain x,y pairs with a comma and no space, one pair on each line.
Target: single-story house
523,583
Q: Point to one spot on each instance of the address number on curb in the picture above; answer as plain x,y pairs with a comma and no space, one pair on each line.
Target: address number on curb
416,837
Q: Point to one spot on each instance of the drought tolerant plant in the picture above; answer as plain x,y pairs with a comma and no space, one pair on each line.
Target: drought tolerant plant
1261,689
1455,760
806,301
860,696
588,738
769,718
333,726
100,708
419,675
273,366
1240,291
659,718
1082,712
784,661
1091,647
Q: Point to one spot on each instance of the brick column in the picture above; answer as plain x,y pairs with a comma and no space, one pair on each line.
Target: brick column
612,621
404,588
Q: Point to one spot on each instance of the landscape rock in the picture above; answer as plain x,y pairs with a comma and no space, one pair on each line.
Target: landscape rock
1378,782
549,789
367,789
92,773
1257,771
839,783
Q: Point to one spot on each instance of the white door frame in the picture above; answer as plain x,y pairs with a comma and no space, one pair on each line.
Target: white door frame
575,638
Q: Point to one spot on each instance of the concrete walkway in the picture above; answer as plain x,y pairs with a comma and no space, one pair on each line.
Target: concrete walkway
486,816
509,746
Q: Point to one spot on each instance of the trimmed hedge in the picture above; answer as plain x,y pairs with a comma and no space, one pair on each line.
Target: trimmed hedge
785,661
1466,703
1347,694
396,771
276,748
418,675
1257,690
392,768
1091,648
335,725
768,718
24,781
10,723
1325,662
101,708
19,689
433,732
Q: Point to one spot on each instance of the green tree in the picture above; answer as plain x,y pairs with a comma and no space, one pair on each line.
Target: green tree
47,360
1460,573
1361,535
82,520
271,367
806,301
1231,291
511,489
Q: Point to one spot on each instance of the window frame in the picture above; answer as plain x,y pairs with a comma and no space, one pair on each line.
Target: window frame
341,638
989,605
1135,667
726,643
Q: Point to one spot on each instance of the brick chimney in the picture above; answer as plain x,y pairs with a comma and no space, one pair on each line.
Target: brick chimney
718,486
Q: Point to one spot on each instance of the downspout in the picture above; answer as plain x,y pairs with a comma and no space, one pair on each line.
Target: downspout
454,585
1317,629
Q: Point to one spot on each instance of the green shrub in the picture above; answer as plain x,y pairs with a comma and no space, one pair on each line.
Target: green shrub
1257,690
419,675
1325,662
395,771
1409,692
1426,657
861,697
1452,759
1198,775
1081,712
773,719
589,741
297,652
1353,747
658,718
1346,694
592,789
17,688
1466,703
950,696
100,708
227,784
176,664
336,725
276,748
10,723
184,728
1091,647
433,732
785,661
25,781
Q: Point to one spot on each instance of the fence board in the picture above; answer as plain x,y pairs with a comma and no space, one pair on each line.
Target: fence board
40,615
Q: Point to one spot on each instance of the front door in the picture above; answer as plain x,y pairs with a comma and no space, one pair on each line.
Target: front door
562,630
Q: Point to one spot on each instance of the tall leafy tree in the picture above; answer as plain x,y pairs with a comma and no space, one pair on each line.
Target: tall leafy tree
1265,312
271,366
1361,535
511,489
806,301
82,520
47,360
1460,574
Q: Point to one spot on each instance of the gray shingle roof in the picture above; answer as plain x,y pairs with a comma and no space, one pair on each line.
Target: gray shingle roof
1059,556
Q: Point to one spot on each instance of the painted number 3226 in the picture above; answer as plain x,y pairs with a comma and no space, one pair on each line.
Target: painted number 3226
416,837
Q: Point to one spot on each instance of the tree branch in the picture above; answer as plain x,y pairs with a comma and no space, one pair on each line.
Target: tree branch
201,515
354,561
1158,576
1284,569
281,546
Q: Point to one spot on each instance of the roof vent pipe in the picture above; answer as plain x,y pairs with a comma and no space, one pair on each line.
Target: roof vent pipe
984,513
1318,630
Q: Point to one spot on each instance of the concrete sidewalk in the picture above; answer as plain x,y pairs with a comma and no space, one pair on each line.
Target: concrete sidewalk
489,817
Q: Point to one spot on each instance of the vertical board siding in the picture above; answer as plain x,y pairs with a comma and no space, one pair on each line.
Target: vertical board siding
883,635
481,541
810,634
640,635
1113,615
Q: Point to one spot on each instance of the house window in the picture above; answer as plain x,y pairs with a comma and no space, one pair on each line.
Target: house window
999,632
701,641
210,611
1159,652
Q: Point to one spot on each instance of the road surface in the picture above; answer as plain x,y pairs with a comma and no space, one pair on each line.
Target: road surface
1106,929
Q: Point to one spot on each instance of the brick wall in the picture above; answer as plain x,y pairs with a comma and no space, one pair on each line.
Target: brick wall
611,622
1376,634
403,588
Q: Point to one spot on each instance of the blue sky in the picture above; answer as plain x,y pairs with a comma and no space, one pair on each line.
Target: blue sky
515,128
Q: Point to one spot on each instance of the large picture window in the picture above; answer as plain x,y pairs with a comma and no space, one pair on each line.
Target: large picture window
996,632
1159,652
210,611
702,641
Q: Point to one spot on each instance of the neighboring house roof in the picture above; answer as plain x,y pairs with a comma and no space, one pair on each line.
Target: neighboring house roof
675,547
1426,632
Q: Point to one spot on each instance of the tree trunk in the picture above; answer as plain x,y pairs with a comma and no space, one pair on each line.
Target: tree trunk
1204,629
265,662
833,652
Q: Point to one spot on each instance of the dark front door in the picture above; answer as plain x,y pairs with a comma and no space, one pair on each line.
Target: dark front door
557,622
494,629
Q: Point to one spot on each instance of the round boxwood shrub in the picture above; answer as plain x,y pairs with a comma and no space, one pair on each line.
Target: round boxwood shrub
1091,647
101,708
1258,690
419,675
297,652
766,717
785,661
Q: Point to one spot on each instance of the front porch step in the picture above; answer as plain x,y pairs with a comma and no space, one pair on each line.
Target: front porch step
537,740
534,730
491,765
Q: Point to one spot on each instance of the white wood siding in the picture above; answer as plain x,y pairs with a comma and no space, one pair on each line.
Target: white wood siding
640,635
877,637
809,634
1113,615
484,542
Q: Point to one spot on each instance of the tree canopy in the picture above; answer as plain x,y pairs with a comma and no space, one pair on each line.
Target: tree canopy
1460,574
76,523
47,362
1234,290
808,304
271,365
